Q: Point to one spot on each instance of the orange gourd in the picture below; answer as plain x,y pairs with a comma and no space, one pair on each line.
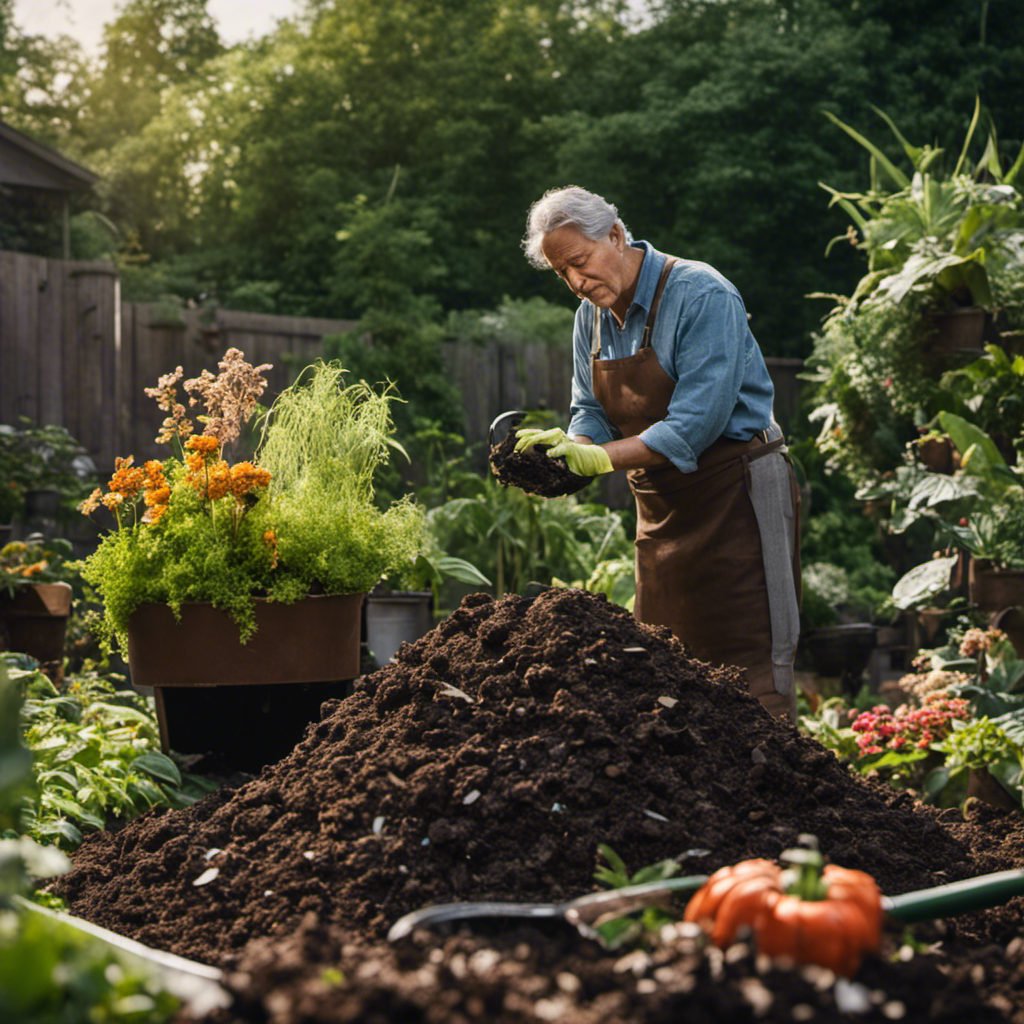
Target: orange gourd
828,916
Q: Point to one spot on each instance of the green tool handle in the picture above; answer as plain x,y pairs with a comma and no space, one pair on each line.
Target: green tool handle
956,898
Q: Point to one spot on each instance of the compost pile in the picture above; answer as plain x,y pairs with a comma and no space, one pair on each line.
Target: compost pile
489,760
533,471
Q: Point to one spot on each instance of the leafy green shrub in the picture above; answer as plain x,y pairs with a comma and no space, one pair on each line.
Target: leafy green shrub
51,973
96,757
516,539
978,745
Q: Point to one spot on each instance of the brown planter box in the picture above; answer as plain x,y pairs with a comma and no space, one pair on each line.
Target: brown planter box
35,621
992,589
311,641
246,704
954,337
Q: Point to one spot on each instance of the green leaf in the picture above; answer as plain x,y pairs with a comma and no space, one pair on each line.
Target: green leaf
54,801
901,180
656,872
985,456
936,780
923,582
463,571
159,765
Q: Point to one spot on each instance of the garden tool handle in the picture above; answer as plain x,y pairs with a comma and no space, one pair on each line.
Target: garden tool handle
510,419
955,898
587,909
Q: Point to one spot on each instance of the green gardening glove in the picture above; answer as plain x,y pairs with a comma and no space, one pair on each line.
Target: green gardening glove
582,459
529,436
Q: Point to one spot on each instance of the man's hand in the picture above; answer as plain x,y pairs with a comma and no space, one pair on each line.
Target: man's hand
528,437
582,459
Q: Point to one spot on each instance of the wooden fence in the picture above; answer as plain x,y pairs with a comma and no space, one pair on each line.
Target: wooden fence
72,354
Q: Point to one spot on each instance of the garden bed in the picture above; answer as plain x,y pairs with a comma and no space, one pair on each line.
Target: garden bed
489,761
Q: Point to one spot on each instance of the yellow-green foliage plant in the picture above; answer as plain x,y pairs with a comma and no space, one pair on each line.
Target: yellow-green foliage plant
324,441
300,520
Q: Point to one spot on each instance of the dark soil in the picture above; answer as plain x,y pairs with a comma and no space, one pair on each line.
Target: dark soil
534,471
489,761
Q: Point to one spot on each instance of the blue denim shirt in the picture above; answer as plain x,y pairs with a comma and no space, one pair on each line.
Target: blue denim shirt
702,341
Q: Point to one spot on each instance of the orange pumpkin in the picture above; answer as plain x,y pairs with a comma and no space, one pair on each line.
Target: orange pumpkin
813,915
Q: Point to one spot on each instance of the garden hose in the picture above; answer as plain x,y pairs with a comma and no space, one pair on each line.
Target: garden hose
955,898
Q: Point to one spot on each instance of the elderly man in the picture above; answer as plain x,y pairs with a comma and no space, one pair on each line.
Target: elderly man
670,385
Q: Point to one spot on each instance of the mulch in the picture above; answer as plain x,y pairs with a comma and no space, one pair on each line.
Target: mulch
488,761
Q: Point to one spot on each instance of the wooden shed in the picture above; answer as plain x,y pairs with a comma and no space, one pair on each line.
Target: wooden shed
27,164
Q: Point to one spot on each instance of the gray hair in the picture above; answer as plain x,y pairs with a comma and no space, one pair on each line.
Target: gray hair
589,213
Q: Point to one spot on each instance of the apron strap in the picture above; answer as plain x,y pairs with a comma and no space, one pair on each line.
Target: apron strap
645,339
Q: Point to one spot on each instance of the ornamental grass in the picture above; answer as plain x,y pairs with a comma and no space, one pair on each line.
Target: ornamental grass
300,519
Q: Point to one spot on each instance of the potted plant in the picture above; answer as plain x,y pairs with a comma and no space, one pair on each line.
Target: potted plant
35,598
46,472
939,236
251,573
979,509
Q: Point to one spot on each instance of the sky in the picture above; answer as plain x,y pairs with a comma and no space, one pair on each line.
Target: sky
83,20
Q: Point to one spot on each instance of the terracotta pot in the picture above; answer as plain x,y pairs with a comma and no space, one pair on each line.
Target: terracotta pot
35,622
313,640
936,454
992,589
956,329
1011,622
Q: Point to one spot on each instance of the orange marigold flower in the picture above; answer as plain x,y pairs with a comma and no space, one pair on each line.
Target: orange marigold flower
220,481
127,480
203,443
35,568
154,513
157,496
246,477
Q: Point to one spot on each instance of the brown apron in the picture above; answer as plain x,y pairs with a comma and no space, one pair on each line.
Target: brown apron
699,568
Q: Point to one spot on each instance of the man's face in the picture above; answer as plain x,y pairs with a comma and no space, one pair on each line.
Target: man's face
593,270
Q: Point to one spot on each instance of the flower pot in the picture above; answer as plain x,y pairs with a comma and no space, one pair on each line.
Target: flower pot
982,785
840,651
42,504
1011,622
937,454
396,618
35,622
313,640
249,703
992,589
954,337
